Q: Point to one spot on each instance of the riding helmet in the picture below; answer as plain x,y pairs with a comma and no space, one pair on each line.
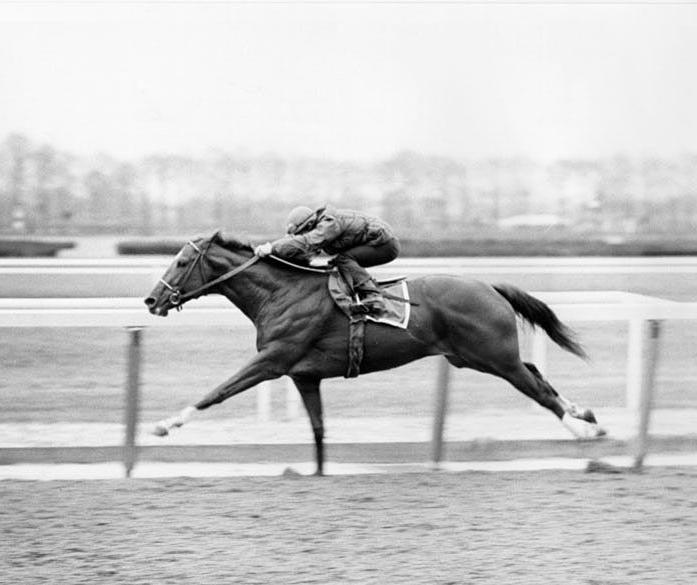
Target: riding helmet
297,219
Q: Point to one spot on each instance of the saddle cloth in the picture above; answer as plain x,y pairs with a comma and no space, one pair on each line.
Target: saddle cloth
397,313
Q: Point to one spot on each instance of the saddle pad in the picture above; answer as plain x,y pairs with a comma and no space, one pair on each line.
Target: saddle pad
397,313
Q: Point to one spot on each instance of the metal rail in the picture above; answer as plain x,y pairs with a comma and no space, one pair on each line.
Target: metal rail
644,314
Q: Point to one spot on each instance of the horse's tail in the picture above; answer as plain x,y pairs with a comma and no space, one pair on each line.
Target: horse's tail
535,312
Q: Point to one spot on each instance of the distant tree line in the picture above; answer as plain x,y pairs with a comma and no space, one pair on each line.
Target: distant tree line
46,190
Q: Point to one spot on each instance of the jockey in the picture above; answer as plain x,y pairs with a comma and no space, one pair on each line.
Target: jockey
357,241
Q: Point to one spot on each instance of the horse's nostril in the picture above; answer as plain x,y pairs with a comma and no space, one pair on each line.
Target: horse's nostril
150,301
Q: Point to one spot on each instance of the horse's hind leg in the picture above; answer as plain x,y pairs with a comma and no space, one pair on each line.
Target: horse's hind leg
580,422
568,406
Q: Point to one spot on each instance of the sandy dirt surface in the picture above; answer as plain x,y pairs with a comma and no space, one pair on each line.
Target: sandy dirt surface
515,528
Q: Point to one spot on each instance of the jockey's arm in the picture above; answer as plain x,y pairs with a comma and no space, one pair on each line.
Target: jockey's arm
308,243
290,248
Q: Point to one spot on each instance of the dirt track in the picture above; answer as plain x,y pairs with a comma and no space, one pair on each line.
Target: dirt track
503,528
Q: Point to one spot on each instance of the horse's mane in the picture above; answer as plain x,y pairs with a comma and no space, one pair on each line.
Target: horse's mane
231,243
234,244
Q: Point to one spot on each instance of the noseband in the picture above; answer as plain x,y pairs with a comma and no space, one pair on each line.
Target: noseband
176,296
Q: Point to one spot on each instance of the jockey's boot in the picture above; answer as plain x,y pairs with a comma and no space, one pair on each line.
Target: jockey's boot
360,283
371,297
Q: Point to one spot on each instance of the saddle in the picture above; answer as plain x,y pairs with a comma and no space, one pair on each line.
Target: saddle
398,308
394,290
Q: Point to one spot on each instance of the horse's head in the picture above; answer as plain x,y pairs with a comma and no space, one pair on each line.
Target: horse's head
199,266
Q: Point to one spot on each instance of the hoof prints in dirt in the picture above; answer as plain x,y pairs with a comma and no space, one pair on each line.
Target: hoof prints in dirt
524,527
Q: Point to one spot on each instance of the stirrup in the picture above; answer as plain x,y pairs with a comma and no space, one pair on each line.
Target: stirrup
374,302
359,308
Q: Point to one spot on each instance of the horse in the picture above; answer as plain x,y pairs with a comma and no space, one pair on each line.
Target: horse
302,334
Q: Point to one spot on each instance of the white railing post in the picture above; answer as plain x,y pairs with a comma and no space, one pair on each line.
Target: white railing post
130,449
292,399
539,357
648,383
539,350
264,402
443,381
635,358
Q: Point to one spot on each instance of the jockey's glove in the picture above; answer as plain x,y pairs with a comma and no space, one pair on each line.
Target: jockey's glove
263,250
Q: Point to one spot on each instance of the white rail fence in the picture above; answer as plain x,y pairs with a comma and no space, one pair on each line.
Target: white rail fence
134,276
644,315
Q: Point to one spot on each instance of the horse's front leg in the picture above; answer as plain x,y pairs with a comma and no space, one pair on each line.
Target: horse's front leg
266,365
312,399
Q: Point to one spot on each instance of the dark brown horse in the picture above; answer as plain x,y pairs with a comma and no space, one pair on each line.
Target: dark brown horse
302,334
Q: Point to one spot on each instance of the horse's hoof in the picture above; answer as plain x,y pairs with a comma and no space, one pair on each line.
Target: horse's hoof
595,466
160,431
582,429
588,416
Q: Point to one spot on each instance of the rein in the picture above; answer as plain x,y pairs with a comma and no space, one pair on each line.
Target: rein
301,267
177,298
212,283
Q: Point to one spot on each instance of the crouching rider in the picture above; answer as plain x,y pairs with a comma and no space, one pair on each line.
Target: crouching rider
356,240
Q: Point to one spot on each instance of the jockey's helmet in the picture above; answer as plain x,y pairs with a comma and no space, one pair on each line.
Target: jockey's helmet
297,218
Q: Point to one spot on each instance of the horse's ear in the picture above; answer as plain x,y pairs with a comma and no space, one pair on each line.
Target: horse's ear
218,237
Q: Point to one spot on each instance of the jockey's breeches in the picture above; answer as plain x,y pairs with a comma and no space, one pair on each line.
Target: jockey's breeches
351,262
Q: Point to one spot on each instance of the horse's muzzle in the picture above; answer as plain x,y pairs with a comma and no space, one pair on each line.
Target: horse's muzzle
151,304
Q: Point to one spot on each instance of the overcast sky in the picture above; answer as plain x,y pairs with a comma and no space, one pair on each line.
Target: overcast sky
352,80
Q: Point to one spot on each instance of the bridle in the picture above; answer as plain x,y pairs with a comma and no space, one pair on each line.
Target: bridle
176,297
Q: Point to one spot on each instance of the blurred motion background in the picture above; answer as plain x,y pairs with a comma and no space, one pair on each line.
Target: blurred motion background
450,121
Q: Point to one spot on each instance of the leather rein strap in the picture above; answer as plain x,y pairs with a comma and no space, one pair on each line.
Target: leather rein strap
224,277
177,298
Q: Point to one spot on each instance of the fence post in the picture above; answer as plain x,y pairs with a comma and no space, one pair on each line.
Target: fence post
539,350
648,382
130,449
539,358
264,402
292,399
443,381
635,359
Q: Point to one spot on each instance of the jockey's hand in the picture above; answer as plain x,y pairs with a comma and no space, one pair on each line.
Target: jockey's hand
263,250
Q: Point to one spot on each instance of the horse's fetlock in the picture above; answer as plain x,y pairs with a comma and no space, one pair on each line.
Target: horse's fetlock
160,430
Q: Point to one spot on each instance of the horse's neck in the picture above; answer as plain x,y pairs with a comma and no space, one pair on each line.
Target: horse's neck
253,288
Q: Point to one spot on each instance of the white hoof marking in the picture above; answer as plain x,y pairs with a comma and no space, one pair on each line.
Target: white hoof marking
186,414
582,429
160,430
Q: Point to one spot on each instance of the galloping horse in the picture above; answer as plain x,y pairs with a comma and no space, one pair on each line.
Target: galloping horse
302,334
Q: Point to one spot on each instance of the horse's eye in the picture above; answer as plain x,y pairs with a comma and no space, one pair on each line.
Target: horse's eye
182,263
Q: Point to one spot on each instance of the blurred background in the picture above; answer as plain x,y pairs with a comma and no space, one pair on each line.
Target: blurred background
455,121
